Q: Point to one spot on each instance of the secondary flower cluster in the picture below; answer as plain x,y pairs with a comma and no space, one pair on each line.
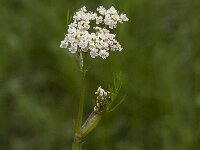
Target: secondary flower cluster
100,41
102,98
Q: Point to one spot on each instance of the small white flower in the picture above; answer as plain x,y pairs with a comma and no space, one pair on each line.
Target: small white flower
102,97
64,44
101,92
94,53
112,10
99,20
73,49
103,54
101,10
123,17
83,9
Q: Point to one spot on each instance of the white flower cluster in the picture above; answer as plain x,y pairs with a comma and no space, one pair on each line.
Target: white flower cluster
102,97
98,43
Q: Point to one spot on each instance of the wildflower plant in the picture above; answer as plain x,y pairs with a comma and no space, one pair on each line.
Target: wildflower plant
83,37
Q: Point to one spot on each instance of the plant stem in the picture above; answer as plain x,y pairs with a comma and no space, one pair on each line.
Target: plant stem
76,143
82,93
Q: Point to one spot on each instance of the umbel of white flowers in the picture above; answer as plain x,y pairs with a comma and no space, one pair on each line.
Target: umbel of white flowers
97,43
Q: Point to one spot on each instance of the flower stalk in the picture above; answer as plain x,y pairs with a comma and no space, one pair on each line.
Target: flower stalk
76,143
82,94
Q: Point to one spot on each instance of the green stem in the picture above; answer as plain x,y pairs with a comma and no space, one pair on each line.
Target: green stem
82,93
76,143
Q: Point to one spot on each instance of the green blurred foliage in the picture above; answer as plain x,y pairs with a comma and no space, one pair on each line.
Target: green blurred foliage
39,82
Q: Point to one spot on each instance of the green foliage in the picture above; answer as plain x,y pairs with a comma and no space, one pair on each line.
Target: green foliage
114,92
115,88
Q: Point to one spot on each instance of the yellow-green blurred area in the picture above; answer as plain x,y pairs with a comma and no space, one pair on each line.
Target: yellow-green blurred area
160,63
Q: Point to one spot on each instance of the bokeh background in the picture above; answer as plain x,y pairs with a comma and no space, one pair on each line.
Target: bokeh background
160,63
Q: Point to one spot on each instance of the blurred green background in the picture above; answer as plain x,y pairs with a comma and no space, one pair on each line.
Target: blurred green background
39,82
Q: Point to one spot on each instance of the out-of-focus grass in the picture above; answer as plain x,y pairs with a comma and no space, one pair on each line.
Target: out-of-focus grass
39,82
